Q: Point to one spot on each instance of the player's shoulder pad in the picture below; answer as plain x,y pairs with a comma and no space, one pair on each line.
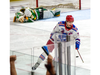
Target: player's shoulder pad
61,22
74,28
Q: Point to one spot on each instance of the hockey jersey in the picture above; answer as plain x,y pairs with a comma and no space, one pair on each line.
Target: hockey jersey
62,29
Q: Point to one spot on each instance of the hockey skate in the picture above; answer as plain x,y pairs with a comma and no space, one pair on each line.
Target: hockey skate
35,66
45,49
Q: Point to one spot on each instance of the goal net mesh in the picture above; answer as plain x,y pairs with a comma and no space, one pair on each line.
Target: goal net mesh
56,3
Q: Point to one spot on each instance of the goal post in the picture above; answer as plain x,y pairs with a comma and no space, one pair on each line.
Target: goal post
79,4
36,3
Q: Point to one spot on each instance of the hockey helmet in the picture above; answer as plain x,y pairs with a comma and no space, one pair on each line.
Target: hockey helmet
28,13
69,18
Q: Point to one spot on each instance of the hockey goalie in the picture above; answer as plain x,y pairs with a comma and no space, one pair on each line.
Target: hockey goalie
24,15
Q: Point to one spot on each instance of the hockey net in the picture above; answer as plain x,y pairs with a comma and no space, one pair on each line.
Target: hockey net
74,4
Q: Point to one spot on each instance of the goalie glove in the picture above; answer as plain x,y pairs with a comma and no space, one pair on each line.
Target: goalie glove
21,19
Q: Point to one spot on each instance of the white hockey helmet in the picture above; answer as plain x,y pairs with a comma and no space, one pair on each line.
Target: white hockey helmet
27,13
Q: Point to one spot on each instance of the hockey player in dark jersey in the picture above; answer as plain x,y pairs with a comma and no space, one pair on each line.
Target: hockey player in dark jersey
64,27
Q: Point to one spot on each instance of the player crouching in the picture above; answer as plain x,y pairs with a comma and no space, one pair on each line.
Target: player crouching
63,27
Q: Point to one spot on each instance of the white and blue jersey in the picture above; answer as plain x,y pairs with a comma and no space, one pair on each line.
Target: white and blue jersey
61,28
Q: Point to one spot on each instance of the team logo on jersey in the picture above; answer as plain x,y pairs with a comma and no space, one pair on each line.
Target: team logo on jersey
62,30
70,33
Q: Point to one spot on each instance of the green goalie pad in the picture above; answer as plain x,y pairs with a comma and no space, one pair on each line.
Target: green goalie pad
57,14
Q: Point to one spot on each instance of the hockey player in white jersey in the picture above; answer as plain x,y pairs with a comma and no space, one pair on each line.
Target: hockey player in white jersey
65,27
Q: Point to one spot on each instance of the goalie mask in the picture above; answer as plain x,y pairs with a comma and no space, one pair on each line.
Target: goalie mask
27,13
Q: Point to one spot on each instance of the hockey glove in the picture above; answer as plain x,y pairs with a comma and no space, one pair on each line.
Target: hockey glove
77,44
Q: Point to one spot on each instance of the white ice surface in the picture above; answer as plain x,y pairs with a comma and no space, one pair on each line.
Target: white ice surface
27,35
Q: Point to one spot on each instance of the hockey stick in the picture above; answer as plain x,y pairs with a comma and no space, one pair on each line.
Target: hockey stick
80,56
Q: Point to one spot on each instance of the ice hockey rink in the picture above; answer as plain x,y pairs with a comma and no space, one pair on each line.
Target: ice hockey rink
25,36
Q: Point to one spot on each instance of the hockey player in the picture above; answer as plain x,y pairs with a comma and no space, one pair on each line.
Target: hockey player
33,14
64,27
